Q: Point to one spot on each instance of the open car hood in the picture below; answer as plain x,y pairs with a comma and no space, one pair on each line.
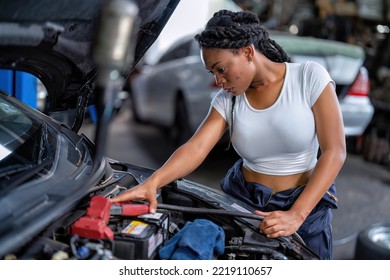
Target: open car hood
52,39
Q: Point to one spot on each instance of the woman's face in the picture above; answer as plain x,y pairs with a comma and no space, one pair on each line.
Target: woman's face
232,69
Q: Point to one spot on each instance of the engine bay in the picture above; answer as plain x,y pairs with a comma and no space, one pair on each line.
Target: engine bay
97,229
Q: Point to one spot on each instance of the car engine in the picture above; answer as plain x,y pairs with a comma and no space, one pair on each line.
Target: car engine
99,229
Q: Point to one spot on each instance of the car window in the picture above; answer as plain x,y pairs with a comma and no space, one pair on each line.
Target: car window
195,50
180,50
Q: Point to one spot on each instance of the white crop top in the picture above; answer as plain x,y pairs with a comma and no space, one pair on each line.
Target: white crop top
281,139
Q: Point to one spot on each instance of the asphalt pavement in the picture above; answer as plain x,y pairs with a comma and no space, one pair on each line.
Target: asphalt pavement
363,188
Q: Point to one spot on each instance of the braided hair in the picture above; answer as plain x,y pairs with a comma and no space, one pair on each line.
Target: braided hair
234,30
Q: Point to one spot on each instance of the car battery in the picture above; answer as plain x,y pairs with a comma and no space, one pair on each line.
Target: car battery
146,234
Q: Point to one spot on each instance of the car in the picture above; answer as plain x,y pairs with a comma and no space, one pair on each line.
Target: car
56,183
175,92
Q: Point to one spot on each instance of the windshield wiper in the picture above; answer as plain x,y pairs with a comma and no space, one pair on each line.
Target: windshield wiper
23,174
14,169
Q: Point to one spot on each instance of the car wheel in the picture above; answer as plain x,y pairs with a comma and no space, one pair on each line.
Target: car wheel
180,131
373,243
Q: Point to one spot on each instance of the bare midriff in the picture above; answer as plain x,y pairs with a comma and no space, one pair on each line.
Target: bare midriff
277,183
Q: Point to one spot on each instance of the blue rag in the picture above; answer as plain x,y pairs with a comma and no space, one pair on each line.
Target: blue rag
198,240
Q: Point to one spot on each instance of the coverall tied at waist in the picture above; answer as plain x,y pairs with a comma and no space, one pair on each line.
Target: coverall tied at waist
316,229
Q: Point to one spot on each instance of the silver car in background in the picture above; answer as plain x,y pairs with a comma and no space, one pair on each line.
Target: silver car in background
176,91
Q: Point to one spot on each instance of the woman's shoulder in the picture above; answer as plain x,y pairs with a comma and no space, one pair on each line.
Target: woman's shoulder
222,102
306,66
309,70
221,94
314,77
314,67
222,97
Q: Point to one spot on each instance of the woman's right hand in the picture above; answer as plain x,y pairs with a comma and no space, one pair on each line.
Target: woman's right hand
140,192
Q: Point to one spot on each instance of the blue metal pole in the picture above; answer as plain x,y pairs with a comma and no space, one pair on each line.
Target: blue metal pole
26,88
6,81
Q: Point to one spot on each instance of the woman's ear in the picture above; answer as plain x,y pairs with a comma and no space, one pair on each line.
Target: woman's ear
248,52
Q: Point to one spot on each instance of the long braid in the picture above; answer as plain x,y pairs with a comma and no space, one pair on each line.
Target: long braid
234,30
231,121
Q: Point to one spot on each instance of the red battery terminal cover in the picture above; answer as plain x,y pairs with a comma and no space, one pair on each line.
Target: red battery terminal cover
94,224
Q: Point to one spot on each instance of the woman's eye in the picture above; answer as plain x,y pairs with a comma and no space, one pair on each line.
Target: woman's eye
221,70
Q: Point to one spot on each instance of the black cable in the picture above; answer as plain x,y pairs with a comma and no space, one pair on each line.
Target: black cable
275,255
209,211
195,210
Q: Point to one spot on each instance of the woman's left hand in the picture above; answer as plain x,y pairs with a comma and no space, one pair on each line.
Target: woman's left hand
279,223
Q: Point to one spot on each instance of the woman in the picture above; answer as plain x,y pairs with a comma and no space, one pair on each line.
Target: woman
278,113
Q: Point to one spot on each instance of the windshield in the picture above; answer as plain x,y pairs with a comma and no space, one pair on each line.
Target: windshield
24,142
16,128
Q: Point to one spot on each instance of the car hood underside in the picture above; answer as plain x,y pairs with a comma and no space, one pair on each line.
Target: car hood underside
53,39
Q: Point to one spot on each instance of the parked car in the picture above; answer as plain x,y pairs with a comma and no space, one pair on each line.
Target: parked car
176,92
56,184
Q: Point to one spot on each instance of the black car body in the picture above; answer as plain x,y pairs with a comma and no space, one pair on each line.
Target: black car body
51,175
